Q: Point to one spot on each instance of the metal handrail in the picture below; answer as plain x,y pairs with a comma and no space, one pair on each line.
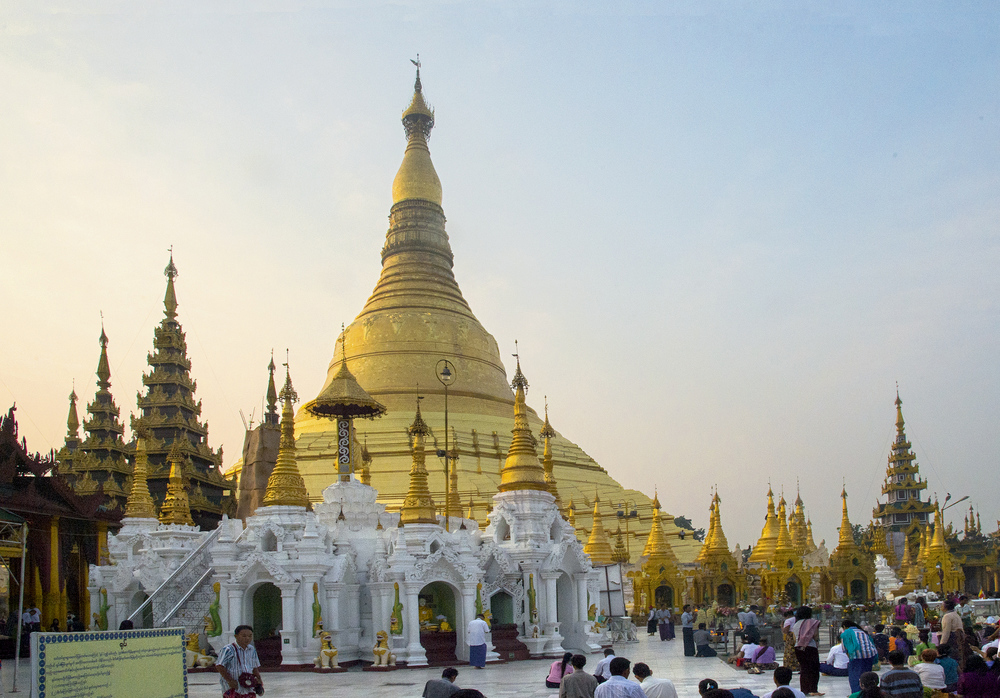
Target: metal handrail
204,578
176,573
170,614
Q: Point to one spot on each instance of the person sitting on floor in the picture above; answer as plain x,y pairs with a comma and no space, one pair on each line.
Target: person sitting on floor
579,684
901,681
836,661
763,658
653,688
443,687
702,642
950,667
931,674
746,652
782,679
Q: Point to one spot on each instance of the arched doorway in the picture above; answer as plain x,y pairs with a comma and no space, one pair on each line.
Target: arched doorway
794,592
565,600
502,608
725,595
439,619
267,623
859,591
145,619
664,596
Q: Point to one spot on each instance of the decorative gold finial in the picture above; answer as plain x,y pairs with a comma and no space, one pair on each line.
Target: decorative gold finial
285,486
140,503
176,508
418,507
548,433
272,394
521,470
170,297
72,419
366,464
598,546
416,178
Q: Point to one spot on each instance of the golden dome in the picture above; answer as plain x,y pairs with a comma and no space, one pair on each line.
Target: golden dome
416,178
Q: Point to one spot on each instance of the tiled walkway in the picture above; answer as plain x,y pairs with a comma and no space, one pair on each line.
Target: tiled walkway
666,659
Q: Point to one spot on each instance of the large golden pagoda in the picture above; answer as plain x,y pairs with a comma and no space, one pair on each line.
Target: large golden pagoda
415,317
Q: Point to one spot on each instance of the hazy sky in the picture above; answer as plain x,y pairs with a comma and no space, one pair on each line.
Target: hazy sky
721,232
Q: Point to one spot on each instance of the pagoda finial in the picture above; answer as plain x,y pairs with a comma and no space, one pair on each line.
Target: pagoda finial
176,508
521,470
598,546
418,507
416,178
72,419
170,297
103,365
272,394
846,529
900,432
140,503
548,433
285,486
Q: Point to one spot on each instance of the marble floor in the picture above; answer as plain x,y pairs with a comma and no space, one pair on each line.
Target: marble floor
666,659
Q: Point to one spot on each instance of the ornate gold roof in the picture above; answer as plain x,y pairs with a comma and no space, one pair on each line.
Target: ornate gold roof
598,546
344,397
140,503
416,178
521,470
285,486
418,507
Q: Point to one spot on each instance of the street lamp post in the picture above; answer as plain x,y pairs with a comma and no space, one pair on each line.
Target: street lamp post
446,375
627,510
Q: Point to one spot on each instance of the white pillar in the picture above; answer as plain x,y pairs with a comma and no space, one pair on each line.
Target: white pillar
331,613
415,654
289,636
462,624
581,597
551,608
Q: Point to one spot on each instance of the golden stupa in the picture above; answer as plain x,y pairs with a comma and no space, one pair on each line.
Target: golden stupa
415,317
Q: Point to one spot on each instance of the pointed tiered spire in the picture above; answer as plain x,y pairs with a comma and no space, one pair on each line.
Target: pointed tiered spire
173,417
140,503
548,433
598,546
285,486
938,542
521,470
571,514
176,508
846,529
67,454
366,464
903,508
657,546
72,420
418,507
811,546
101,459
416,178
718,542
764,549
797,524
783,546
271,416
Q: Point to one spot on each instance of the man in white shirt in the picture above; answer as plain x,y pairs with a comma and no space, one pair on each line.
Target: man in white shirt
653,688
836,661
783,677
476,639
602,672
618,686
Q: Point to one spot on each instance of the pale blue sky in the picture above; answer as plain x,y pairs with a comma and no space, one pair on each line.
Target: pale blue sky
720,231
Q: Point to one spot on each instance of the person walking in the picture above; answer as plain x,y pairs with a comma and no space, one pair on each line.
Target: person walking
807,650
687,629
239,666
618,686
475,636
653,688
651,621
579,684
861,652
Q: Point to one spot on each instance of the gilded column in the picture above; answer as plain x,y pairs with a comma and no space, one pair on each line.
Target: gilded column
50,606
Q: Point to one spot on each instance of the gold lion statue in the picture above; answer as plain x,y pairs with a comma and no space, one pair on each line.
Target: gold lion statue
383,657
327,658
193,654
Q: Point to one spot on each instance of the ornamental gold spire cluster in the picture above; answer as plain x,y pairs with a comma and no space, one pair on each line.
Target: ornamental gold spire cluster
764,549
140,503
521,470
797,524
173,418
657,547
598,546
285,486
548,433
783,546
176,508
418,507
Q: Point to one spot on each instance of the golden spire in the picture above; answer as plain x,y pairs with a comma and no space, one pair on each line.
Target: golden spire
706,544
846,530
103,366
72,420
910,569
718,542
900,433
783,546
416,178
366,464
923,550
810,542
522,471
904,566
472,510
418,507
769,535
271,416
548,433
571,514
938,542
657,545
140,503
169,298
797,524
597,545
285,486
176,509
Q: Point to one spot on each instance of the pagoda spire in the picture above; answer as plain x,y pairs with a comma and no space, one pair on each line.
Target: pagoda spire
72,420
706,544
140,503
571,514
810,541
846,529
598,546
176,508
719,542
416,178
938,541
657,546
366,464
418,507
521,470
285,486
548,433
170,297
271,416
903,486
783,546
769,535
